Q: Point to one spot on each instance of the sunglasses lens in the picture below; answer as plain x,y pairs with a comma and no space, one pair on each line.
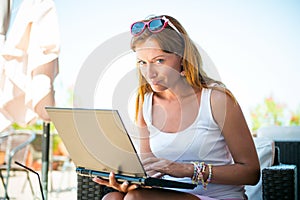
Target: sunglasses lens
137,28
156,25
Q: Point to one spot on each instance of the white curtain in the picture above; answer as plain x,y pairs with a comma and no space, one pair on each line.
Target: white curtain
29,63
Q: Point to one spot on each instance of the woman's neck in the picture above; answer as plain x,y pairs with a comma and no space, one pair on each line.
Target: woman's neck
181,90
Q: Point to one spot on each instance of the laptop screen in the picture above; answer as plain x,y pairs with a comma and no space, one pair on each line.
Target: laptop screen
97,139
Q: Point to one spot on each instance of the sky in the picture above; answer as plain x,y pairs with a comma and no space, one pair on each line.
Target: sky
254,45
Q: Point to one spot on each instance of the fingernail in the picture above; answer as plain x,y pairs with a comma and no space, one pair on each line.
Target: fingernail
95,179
126,182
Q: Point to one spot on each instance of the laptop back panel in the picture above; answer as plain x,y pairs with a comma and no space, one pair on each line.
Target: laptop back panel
96,139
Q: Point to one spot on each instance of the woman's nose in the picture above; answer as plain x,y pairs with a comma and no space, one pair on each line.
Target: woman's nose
151,71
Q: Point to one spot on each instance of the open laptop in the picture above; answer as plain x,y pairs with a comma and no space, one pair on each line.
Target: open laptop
98,143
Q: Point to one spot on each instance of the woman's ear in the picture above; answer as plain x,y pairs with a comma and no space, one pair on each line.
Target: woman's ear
182,73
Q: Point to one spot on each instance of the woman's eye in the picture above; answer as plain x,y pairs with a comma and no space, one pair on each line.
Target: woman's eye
141,63
159,61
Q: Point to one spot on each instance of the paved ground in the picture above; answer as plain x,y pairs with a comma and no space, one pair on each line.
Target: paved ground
62,185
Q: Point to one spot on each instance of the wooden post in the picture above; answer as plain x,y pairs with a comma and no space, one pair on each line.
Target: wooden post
45,157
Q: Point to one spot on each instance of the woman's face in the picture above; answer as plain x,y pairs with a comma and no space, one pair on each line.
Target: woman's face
160,69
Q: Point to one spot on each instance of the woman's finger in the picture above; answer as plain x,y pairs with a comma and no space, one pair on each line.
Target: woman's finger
124,186
150,172
158,175
112,180
149,160
100,181
132,187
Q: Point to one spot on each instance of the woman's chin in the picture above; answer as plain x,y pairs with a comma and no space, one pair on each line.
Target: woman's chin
158,88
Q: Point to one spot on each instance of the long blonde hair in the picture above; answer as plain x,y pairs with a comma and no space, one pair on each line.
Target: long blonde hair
171,41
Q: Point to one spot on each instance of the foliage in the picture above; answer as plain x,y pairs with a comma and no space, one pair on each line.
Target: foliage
271,112
38,128
295,118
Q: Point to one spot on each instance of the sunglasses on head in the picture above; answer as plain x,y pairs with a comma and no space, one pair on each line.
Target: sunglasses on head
154,25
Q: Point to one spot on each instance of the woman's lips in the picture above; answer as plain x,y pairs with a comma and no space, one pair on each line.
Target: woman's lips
155,82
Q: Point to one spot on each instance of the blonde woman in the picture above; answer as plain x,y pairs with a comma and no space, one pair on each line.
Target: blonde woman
191,127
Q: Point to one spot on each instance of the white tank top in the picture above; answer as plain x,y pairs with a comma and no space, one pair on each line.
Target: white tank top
201,141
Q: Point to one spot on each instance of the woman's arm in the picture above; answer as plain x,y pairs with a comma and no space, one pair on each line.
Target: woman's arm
228,115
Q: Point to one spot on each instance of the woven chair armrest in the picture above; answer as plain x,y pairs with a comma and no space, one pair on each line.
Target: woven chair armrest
279,182
89,190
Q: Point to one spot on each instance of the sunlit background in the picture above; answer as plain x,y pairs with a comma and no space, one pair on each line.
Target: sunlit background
254,45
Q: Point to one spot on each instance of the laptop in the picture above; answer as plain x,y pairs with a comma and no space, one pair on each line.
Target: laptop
99,143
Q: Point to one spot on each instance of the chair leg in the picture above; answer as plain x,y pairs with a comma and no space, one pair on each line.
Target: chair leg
5,185
24,185
30,184
2,179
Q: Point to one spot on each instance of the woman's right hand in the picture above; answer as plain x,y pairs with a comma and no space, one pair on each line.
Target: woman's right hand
112,182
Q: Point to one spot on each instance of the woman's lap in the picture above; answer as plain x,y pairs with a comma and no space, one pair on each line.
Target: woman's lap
204,197
149,194
154,194
209,198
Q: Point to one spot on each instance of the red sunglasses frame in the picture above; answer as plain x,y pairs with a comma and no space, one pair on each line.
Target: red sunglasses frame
146,24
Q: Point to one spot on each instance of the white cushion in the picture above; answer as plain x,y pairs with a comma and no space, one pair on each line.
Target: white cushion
266,150
280,133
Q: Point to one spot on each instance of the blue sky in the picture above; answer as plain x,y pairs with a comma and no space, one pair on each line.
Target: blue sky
255,45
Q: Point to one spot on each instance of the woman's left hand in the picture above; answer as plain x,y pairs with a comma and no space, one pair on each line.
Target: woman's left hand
113,183
157,167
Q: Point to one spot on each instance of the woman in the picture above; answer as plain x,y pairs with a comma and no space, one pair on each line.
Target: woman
191,127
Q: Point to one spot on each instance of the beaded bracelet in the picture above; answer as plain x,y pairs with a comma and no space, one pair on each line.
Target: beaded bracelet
208,180
197,176
199,171
203,173
196,172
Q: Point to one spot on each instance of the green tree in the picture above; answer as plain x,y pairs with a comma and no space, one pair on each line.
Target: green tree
268,113
295,118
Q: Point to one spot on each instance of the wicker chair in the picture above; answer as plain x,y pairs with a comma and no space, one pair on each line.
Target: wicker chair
89,190
278,182
287,138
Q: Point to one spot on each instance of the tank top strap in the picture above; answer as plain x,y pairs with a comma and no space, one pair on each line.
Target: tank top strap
147,108
206,110
205,104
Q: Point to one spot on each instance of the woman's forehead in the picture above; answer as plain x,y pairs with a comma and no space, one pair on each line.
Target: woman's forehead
148,47
149,53
148,44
